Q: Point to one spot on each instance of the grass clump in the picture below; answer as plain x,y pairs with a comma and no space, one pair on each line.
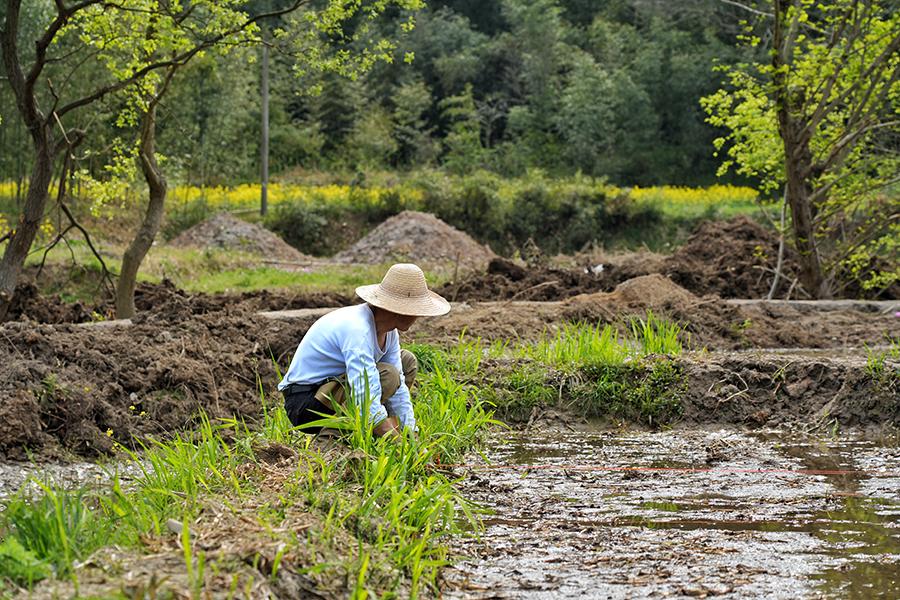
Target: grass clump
646,392
596,371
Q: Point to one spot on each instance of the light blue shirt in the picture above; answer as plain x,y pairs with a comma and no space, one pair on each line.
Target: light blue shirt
345,341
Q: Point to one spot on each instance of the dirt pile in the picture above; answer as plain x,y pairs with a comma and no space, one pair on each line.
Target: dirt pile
82,387
733,259
226,232
417,237
709,319
507,280
30,305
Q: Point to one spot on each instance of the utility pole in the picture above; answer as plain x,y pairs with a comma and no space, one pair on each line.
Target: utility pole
264,144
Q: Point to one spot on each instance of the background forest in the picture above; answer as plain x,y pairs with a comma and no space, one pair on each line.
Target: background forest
605,88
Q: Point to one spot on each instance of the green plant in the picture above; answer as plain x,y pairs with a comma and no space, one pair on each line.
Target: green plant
430,358
655,335
57,527
21,565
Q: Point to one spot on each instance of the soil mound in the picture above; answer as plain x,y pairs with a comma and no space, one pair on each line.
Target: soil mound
418,237
506,280
652,291
81,388
733,259
29,304
708,319
226,232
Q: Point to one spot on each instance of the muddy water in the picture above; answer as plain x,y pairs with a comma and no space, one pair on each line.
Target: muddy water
682,514
27,477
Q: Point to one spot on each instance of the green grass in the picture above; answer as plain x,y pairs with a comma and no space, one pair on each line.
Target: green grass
591,370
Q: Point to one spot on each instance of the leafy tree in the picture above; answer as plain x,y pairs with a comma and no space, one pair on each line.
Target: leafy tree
45,108
821,122
603,119
142,44
464,150
411,130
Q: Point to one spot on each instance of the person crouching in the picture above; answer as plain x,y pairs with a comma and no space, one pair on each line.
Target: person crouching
356,348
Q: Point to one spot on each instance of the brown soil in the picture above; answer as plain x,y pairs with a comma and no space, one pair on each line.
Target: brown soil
732,259
710,321
226,232
417,237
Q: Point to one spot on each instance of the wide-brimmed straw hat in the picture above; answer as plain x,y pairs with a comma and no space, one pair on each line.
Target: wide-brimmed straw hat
404,291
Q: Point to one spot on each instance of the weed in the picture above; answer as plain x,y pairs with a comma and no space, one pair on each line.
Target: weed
882,373
21,565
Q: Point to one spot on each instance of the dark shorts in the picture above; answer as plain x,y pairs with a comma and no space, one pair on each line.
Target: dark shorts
301,408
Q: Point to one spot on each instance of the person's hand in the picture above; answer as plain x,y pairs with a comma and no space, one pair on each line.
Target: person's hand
390,426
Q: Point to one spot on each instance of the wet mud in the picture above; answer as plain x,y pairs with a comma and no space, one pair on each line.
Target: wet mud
679,514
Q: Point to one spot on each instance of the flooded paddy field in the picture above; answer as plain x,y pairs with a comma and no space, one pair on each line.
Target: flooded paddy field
689,513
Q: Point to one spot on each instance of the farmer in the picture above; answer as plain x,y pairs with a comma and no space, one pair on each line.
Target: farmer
355,346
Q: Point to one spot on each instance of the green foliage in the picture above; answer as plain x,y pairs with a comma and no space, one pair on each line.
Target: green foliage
656,336
54,529
307,226
579,344
597,372
430,358
648,393
885,374
818,118
20,565
607,89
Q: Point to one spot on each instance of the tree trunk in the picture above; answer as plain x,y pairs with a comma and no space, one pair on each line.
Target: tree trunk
798,160
792,126
149,227
27,227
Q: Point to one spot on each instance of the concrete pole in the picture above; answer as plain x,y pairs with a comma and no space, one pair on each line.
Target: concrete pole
264,144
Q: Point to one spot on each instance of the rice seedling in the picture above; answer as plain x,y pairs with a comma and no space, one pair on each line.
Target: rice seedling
578,344
655,335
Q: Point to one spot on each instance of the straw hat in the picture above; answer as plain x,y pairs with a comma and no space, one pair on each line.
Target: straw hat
404,291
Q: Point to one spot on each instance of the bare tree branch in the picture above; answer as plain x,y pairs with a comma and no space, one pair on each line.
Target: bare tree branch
749,9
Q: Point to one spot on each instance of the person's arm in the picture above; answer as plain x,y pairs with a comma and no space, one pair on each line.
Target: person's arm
360,364
400,404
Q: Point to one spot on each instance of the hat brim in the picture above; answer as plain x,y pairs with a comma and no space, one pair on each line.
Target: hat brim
430,305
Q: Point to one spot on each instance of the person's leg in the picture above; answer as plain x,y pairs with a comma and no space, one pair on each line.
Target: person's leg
390,380
410,367
303,408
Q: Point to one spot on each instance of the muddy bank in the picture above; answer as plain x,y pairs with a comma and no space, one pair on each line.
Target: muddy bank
621,514
72,388
710,321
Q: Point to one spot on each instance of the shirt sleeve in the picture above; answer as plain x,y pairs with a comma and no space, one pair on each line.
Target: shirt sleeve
401,402
360,363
